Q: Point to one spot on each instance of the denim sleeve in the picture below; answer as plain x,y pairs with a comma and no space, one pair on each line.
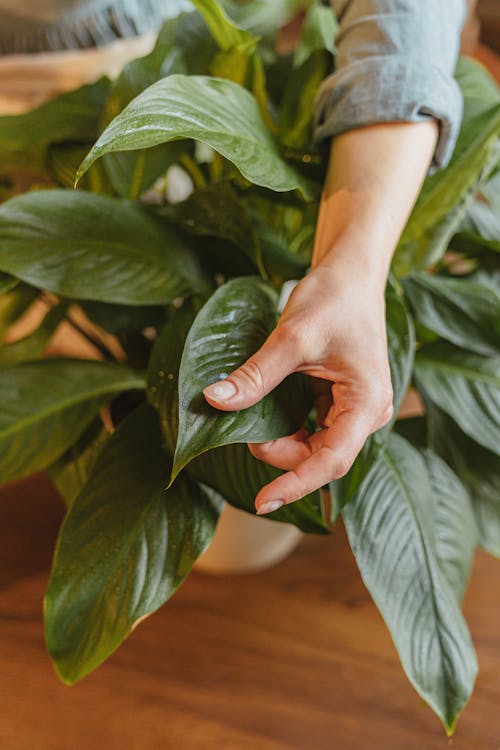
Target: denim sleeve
394,63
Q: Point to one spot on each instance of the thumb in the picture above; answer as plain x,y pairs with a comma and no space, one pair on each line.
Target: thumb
260,374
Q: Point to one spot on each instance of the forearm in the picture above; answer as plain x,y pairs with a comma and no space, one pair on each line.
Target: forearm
374,176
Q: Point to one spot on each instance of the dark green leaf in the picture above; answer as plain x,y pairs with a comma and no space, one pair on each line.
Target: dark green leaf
163,370
456,530
464,385
279,261
124,548
401,346
461,311
93,247
131,173
479,470
47,405
414,429
70,472
75,116
234,473
217,112
390,526
471,243
230,470
442,204
231,326
63,160
283,220
318,33
217,211
296,113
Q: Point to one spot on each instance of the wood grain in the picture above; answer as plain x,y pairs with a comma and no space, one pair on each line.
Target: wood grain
296,658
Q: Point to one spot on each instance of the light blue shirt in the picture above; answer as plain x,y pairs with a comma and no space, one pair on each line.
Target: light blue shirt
395,61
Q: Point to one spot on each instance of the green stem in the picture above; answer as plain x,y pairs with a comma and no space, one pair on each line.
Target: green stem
194,171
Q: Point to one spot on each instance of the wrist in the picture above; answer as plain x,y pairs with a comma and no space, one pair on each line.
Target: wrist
362,250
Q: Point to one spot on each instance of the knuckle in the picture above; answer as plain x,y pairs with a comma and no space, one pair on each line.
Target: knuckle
292,334
387,414
299,482
338,462
380,399
252,374
341,466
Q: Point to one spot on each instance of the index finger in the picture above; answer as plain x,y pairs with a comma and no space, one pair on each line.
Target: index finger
335,449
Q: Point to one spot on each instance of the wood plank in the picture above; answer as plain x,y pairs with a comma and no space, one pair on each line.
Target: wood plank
296,658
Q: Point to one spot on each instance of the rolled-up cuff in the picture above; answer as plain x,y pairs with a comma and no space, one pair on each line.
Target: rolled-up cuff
390,89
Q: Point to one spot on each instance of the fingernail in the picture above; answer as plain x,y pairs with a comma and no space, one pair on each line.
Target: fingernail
269,507
221,391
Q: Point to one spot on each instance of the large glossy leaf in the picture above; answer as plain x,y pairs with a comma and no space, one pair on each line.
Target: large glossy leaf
318,33
217,211
456,530
124,548
163,370
479,470
214,111
464,385
230,470
443,201
459,310
88,246
74,116
401,347
234,473
231,326
32,346
46,406
71,471
390,524
131,173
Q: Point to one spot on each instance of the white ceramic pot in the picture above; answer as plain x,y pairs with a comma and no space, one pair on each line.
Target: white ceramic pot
245,544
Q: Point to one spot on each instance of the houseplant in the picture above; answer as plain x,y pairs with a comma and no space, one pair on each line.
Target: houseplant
189,289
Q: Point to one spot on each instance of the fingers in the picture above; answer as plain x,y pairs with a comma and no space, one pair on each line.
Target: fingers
331,455
284,453
247,385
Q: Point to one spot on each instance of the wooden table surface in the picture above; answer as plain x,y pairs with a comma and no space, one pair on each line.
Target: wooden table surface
296,658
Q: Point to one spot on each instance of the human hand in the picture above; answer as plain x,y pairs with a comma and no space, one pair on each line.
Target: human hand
332,329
